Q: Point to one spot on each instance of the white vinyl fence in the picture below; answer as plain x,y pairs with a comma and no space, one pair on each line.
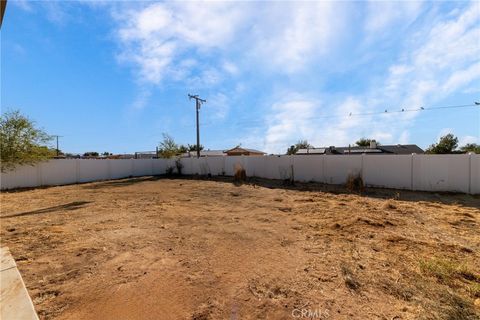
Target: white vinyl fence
456,173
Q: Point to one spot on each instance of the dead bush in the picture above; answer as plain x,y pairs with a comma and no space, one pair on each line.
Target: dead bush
355,183
240,174
179,166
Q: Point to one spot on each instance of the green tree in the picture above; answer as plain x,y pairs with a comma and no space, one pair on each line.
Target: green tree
365,142
193,147
447,144
301,144
168,148
91,154
21,142
470,147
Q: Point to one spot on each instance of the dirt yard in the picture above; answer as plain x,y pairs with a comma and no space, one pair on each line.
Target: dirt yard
152,248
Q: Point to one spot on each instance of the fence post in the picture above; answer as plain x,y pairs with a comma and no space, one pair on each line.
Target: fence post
324,174
470,172
109,169
77,170
411,170
39,174
361,169
223,165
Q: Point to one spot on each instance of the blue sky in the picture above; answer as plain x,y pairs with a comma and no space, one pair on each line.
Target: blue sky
114,75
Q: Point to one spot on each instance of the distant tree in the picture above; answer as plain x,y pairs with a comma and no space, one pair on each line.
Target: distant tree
470,147
365,142
182,149
447,144
168,148
106,154
21,142
301,144
91,154
193,147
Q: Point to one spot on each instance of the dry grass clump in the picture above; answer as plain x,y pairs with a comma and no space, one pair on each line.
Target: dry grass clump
240,174
355,183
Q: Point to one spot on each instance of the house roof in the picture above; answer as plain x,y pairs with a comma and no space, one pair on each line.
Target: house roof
380,149
205,153
311,151
402,148
245,150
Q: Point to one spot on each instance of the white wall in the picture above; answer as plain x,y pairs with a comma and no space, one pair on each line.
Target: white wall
393,171
120,168
309,168
474,174
449,172
337,168
457,173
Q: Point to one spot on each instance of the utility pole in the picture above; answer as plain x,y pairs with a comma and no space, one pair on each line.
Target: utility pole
198,103
58,150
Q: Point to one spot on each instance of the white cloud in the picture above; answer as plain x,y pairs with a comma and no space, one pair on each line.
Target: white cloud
230,67
437,58
383,14
217,108
290,35
290,121
442,60
157,37
468,139
282,36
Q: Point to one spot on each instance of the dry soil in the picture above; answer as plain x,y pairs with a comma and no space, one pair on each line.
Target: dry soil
157,248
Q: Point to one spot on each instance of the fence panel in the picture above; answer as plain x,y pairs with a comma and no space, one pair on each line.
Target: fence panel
21,177
337,168
58,172
231,163
308,168
457,173
92,170
159,166
394,171
446,172
255,166
120,168
216,165
475,173
142,167
278,167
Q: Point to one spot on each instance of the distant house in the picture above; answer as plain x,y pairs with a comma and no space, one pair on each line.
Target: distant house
204,153
238,151
372,149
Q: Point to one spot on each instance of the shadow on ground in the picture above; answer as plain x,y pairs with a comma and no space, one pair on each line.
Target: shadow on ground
67,206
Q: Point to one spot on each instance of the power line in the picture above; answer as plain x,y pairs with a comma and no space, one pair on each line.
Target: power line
384,112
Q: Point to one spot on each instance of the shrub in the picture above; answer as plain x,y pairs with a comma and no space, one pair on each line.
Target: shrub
240,174
169,171
355,183
179,166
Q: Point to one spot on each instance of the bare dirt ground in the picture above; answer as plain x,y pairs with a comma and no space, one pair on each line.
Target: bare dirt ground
152,248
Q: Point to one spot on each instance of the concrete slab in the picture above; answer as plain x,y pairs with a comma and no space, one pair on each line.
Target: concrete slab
15,303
